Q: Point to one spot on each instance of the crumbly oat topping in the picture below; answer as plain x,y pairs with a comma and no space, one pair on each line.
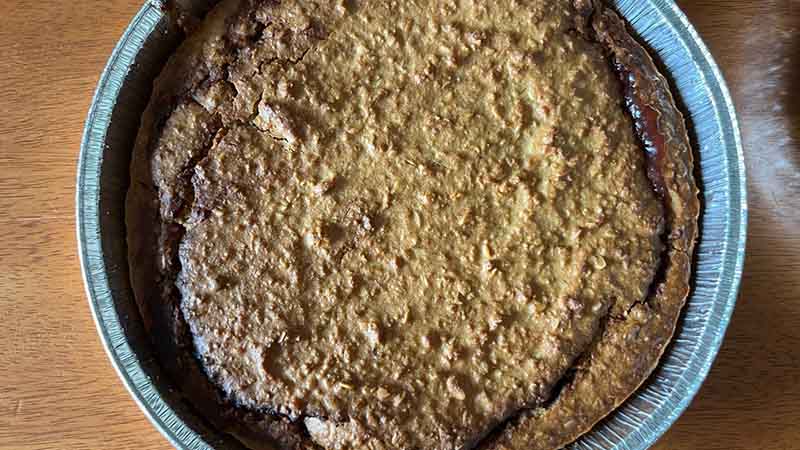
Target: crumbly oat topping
402,222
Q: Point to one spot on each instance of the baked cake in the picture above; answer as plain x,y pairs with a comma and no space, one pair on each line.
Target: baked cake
424,224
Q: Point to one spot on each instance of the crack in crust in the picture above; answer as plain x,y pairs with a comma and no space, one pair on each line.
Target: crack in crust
663,133
153,240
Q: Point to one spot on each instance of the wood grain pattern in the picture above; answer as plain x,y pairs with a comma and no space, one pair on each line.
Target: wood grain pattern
58,390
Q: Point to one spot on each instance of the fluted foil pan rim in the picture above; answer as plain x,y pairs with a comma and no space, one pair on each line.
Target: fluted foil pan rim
700,89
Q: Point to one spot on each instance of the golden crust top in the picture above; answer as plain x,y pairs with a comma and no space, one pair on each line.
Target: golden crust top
397,225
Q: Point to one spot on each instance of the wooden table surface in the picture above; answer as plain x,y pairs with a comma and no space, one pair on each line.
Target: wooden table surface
59,391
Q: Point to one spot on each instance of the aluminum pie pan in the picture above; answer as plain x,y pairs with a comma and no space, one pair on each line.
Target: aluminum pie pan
109,134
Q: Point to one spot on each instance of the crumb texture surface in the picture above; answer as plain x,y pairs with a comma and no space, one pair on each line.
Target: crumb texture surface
398,224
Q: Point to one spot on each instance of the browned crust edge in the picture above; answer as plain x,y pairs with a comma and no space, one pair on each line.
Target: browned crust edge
152,248
631,346
591,395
